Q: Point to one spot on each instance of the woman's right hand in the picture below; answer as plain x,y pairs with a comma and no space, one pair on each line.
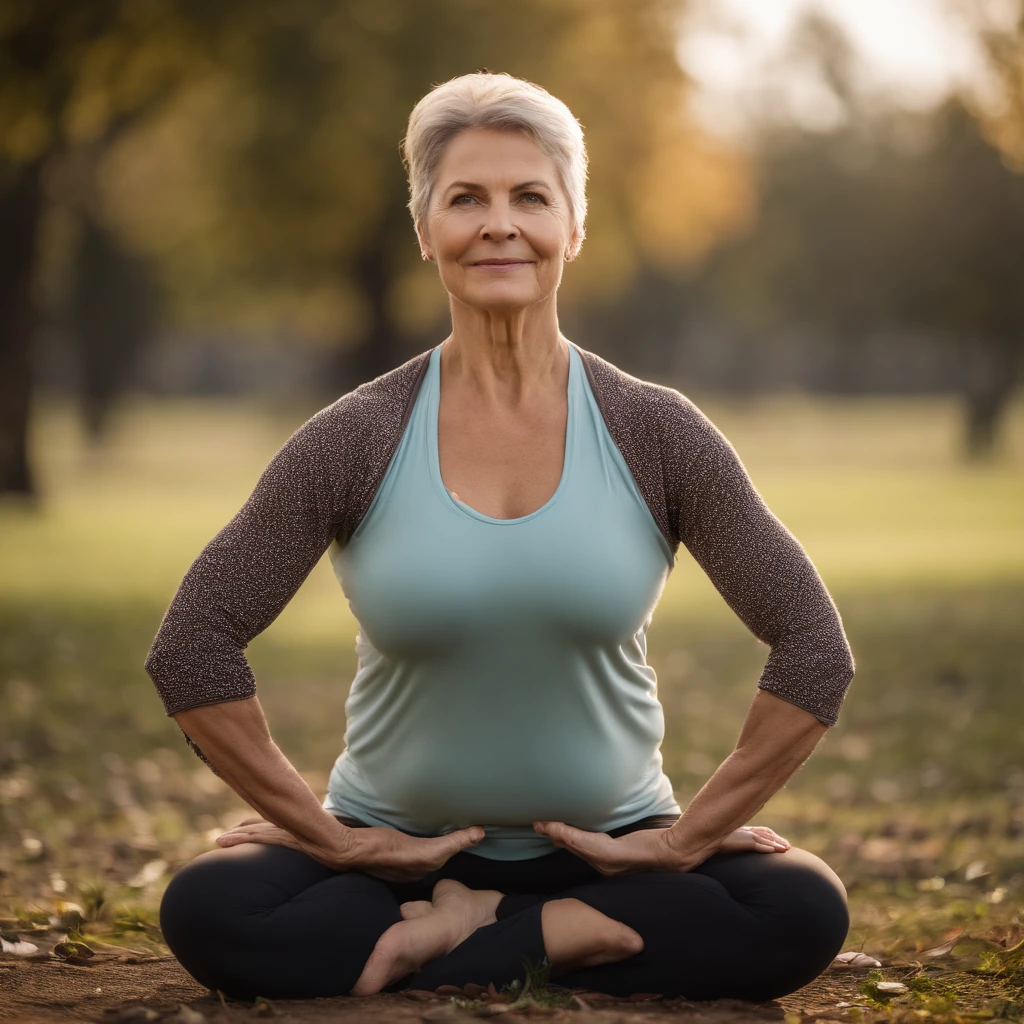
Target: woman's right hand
396,856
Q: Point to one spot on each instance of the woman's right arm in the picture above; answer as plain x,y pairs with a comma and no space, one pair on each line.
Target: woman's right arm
244,577
238,585
236,741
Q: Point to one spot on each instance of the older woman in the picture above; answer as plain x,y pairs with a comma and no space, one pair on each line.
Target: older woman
502,512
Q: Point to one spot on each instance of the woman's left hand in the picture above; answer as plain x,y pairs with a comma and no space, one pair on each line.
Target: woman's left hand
651,849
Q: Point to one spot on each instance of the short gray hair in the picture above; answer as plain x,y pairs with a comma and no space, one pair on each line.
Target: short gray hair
499,101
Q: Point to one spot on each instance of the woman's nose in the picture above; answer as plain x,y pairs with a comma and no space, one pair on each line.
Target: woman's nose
498,223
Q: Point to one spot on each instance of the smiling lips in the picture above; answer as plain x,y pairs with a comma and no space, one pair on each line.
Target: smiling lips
501,263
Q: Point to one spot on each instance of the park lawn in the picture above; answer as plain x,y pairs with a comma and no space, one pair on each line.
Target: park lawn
916,797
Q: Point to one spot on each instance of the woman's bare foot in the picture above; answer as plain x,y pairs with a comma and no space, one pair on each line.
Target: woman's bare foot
426,931
415,908
577,935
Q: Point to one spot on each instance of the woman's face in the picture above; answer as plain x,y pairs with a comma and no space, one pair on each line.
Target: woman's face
497,196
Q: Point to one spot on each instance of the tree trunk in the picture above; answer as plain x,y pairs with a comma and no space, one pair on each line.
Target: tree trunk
383,346
20,209
114,310
991,375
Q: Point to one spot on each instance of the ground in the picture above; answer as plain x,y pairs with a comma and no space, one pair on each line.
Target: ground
944,984
915,798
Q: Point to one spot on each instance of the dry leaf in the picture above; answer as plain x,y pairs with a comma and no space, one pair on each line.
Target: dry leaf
976,869
150,872
135,1015
421,995
12,944
892,987
73,952
185,1015
854,958
942,950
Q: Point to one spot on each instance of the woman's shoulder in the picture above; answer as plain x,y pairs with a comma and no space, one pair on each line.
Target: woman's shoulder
644,411
378,405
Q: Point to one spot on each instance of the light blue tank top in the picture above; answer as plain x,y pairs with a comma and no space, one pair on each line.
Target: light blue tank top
502,674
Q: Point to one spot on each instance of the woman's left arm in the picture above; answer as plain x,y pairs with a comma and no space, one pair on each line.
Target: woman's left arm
769,581
766,577
755,563
777,737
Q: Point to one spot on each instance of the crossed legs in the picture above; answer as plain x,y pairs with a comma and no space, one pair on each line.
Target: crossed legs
575,935
266,920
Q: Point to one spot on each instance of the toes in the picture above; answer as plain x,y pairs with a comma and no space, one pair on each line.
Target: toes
385,964
416,908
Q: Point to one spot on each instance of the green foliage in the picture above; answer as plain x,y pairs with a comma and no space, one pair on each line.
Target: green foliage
1007,964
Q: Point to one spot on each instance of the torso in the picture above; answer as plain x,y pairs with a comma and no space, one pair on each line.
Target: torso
505,463
502,669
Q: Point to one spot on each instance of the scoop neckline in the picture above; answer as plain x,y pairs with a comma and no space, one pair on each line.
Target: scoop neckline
434,457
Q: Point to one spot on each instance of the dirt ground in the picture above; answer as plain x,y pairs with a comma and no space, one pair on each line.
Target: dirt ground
122,986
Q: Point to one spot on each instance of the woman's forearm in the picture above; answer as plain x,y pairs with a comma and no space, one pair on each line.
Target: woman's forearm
776,738
235,738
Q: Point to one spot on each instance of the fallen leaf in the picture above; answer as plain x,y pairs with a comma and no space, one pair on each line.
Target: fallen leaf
891,987
134,1015
420,995
449,990
944,948
15,945
854,958
185,1015
73,952
150,872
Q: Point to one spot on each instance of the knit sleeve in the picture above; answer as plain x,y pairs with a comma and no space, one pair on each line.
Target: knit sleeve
244,577
755,563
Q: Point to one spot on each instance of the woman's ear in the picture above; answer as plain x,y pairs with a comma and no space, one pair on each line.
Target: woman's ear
573,242
425,251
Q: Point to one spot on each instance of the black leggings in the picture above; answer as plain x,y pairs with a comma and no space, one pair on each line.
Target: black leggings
263,920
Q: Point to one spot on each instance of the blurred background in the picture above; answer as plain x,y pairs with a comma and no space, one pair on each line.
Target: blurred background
808,217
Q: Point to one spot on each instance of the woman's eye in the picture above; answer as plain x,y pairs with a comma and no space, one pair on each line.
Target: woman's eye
526,195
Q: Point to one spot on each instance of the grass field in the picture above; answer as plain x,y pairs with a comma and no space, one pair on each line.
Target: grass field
916,797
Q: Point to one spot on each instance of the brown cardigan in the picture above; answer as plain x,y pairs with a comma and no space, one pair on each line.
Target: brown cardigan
320,484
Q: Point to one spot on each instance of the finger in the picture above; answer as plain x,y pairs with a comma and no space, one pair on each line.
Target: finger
595,847
766,834
462,838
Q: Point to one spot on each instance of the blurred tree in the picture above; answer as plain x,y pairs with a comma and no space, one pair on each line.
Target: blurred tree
112,313
298,136
885,219
251,152
998,26
73,78
967,284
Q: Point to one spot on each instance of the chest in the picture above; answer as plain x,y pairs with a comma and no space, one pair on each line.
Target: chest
505,465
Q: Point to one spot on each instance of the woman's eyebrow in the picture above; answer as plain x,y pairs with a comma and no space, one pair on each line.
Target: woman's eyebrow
515,188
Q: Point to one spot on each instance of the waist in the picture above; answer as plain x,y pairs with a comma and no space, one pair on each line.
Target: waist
651,821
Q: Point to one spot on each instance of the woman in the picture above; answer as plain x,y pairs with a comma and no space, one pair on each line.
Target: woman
502,513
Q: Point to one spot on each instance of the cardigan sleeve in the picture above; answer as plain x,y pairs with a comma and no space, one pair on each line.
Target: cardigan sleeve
244,577
755,563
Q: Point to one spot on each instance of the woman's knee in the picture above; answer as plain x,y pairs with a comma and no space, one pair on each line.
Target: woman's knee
810,922
811,893
195,896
